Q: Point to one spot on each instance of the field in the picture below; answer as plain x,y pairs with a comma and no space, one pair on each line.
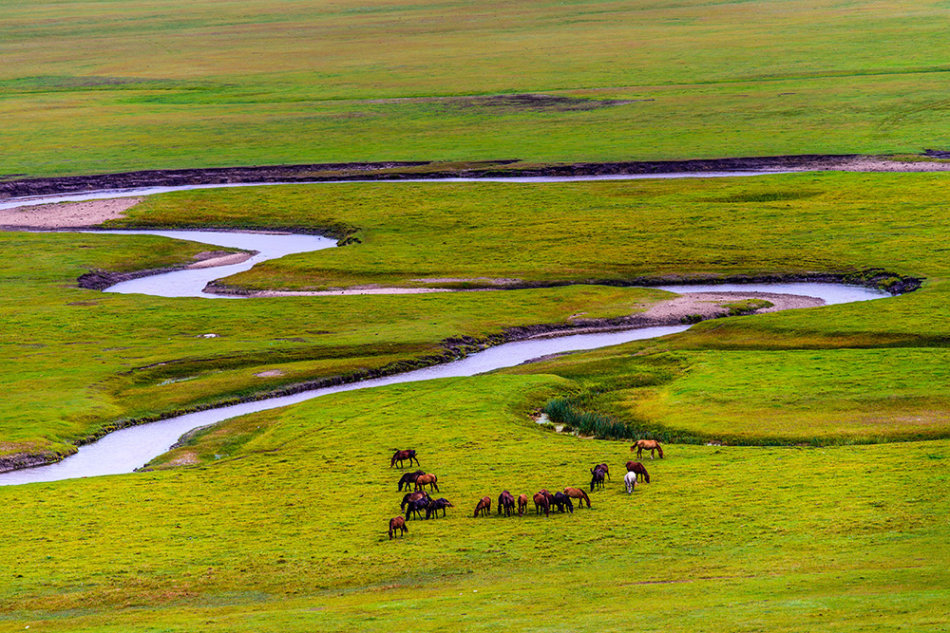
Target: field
155,84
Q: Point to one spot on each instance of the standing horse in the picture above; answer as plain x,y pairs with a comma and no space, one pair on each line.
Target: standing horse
484,506
506,503
637,467
604,468
630,480
427,479
416,507
402,456
409,478
541,502
522,504
397,523
580,495
412,496
561,500
647,445
597,479
435,505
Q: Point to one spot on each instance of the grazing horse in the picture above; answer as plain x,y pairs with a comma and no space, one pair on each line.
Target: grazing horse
647,445
409,478
435,505
541,502
484,506
427,479
397,523
412,496
548,495
561,500
506,503
522,504
416,507
402,456
597,479
630,480
604,468
580,495
637,467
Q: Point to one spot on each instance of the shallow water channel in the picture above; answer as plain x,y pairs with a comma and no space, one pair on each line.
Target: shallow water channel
125,450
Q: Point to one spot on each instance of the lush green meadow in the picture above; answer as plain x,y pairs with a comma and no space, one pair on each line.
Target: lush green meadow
103,86
283,529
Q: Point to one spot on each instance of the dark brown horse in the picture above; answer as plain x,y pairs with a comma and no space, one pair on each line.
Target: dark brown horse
647,445
604,468
561,500
484,506
409,497
416,507
409,478
435,505
522,504
397,523
541,503
427,479
597,479
637,467
402,456
580,495
506,503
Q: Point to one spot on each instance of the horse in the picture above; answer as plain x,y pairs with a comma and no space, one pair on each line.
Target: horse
561,500
427,479
547,495
402,456
604,468
630,481
637,467
417,506
597,479
412,496
397,523
409,478
541,502
522,504
435,505
580,495
506,503
483,506
647,445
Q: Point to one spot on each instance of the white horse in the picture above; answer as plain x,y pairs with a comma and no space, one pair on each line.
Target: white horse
630,481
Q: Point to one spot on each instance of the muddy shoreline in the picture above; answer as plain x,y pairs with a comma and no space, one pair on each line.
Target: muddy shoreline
401,170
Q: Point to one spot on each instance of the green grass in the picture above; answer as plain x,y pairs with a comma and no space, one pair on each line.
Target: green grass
284,529
88,88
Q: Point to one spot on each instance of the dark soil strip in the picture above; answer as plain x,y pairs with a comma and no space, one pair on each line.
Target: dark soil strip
401,170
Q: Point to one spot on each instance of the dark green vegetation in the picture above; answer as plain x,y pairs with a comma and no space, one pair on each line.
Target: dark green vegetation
276,521
99,86
281,526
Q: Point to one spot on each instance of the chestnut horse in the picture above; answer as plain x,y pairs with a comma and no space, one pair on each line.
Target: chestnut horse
506,503
397,523
637,467
409,478
484,506
402,456
427,479
647,445
541,502
580,495
522,504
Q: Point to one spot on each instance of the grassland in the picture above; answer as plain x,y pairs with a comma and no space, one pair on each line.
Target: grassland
281,527
95,87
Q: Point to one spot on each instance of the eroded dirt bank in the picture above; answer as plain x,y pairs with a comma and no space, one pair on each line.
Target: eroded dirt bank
400,170
67,215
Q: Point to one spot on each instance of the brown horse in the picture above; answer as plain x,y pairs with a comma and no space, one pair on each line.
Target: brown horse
402,456
637,467
580,495
409,497
506,503
409,478
541,502
427,479
596,479
397,523
647,445
522,504
604,468
484,506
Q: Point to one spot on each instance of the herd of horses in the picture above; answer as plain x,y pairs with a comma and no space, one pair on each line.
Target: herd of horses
418,501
